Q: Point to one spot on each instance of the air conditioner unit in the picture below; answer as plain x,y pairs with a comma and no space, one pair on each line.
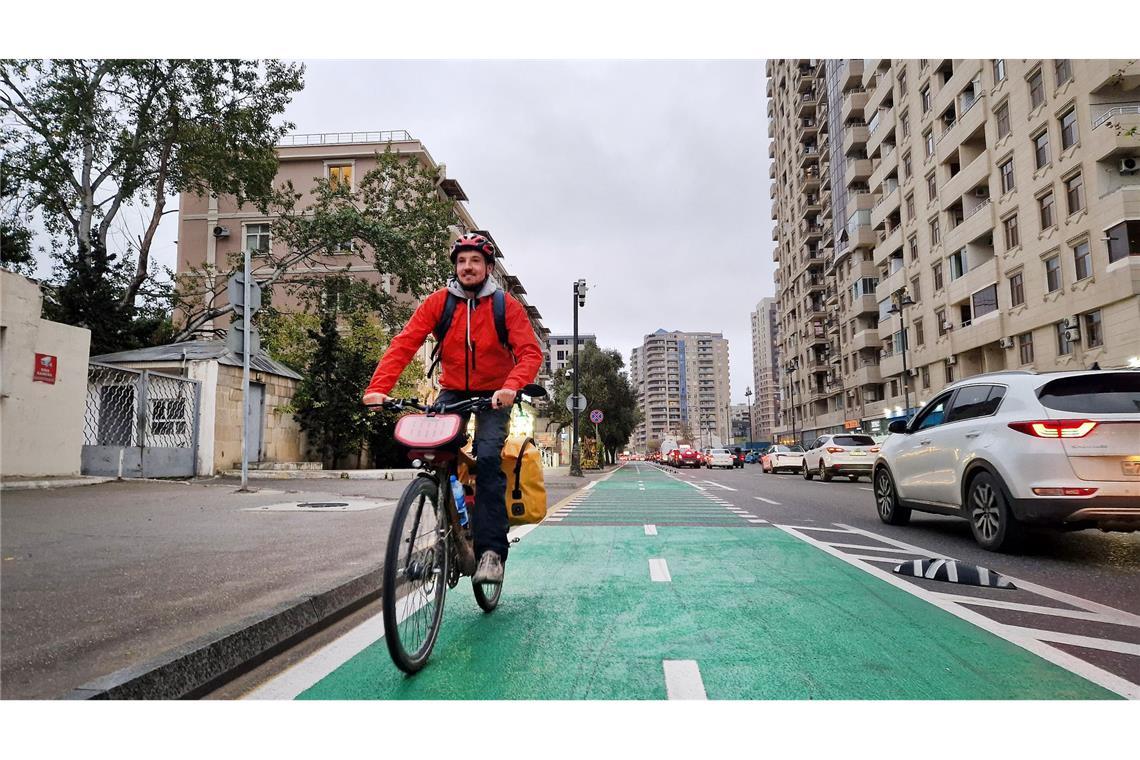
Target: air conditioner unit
952,361
981,192
1129,165
221,232
883,354
1005,342
1073,335
947,325
1072,323
913,372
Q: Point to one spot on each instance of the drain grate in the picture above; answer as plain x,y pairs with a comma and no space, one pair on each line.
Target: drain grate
321,504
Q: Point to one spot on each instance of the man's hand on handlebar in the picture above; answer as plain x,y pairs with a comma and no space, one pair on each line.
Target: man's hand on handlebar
503,398
376,399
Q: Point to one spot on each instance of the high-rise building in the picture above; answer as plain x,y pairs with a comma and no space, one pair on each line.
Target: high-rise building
681,380
765,370
560,350
957,216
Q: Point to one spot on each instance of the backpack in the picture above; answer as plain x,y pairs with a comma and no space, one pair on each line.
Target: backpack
498,308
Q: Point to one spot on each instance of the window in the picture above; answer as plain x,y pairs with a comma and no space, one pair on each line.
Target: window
1082,260
949,372
1052,274
561,356
1075,193
910,206
340,173
1025,347
985,301
938,276
1094,336
931,186
1041,149
1002,115
1016,289
1064,345
912,243
1123,240
257,238
916,288
924,96
1069,132
919,337
894,388
923,63
935,232
902,82
1036,89
926,377
1009,225
904,123
932,414
1045,203
168,416
1064,70
928,139
1007,181
999,70
958,264
940,318
906,167
975,401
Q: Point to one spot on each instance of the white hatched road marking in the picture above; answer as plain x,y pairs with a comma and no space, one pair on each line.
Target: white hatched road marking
651,530
1089,642
888,560
864,546
864,488
766,501
659,571
683,680
812,527
1039,609
718,485
757,521
1022,637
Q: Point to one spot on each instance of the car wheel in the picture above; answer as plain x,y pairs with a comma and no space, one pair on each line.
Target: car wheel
991,520
887,500
806,472
824,474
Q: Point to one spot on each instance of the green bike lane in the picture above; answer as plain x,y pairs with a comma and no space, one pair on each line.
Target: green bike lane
597,605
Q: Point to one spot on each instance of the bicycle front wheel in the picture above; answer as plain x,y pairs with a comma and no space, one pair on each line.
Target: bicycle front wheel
415,575
487,594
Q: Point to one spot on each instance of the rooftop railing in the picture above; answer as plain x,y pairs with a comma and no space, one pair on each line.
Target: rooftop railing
344,138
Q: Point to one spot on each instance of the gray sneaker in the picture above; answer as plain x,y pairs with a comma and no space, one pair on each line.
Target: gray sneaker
490,569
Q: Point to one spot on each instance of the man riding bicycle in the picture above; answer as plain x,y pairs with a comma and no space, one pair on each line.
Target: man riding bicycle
475,362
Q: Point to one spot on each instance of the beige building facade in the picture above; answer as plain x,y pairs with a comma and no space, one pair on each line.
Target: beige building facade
765,402
1001,197
682,386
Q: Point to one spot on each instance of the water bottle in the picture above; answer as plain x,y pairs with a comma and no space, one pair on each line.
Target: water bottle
460,502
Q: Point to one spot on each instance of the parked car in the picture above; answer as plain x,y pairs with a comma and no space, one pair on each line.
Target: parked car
1011,448
850,454
751,457
779,457
721,458
689,458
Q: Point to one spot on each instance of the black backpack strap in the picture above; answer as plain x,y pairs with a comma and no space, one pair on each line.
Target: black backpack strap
516,493
441,328
499,305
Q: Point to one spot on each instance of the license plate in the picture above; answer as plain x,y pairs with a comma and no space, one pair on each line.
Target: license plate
858,453
1130,468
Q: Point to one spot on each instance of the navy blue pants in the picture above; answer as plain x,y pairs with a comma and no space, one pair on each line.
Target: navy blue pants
490,519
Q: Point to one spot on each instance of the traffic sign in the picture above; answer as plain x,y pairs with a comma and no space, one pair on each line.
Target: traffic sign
596,416
235,338
235,289
580,404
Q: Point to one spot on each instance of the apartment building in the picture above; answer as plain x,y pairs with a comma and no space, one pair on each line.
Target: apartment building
560,350
986,216
765,370
682,386
214,229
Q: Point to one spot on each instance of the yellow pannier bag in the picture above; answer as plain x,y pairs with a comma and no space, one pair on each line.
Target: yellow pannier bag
522,466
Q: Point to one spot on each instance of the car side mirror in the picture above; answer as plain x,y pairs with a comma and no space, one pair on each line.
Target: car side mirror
898,426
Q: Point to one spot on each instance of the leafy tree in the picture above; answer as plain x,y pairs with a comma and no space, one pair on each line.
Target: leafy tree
396,218
607,388
15,237
84,139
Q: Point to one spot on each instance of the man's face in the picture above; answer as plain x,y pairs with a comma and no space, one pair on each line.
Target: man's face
470,268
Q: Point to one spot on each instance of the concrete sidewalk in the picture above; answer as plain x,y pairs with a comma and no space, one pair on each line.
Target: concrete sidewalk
145,589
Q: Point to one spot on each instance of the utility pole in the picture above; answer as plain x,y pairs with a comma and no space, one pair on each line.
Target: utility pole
575,454
902,301
242,337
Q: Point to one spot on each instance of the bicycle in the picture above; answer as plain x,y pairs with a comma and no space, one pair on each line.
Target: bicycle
428,549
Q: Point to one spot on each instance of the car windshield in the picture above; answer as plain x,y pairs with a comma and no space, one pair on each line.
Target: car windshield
1099,393
719,451
853,440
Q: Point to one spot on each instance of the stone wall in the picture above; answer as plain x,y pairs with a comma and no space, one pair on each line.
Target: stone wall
281,438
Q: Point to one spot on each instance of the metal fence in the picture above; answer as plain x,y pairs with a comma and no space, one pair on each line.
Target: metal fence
139,423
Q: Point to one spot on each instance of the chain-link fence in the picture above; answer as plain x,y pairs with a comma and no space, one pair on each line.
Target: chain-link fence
139,423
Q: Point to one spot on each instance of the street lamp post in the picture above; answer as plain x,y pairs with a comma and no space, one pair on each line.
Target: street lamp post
575,454
751,430
793,365
897,308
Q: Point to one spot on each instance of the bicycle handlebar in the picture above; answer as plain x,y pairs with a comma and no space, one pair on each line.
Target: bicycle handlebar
459,407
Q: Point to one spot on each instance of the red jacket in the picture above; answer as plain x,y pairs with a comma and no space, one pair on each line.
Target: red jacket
475,363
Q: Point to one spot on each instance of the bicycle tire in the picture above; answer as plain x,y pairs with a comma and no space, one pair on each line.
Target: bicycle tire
413,606
487,594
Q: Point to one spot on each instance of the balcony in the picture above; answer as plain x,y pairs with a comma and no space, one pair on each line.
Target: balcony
853,105
961,289
970,119
851,75
809,179
868,374
854,138
807,129
861,236
891,365
808,155
810,206
1117,74
812,231
881,91
888,244
885,206
886,167
865,304
870,71
806,105
879,129
892,283
978,223
1115,133
864,339
858,170
974,175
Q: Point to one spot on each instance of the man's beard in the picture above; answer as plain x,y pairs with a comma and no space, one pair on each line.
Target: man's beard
473,288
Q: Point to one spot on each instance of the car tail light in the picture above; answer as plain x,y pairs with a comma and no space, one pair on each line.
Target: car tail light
874,449
1055,428
1064,491
834,450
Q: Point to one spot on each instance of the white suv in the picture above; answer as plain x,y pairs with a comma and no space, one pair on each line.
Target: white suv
1007,448
721,458
850,454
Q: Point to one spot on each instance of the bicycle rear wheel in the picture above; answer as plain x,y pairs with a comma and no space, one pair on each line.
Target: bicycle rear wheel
487,594
415,575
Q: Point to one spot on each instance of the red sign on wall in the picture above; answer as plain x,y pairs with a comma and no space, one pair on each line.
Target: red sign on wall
45,369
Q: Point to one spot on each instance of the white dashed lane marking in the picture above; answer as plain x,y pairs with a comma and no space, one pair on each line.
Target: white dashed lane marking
659,571
683,680
651,530
766,501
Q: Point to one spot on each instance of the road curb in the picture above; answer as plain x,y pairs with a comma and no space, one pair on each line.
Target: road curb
202,665
29,485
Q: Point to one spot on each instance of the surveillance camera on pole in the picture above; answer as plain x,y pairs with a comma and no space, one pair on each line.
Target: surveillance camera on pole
575,455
